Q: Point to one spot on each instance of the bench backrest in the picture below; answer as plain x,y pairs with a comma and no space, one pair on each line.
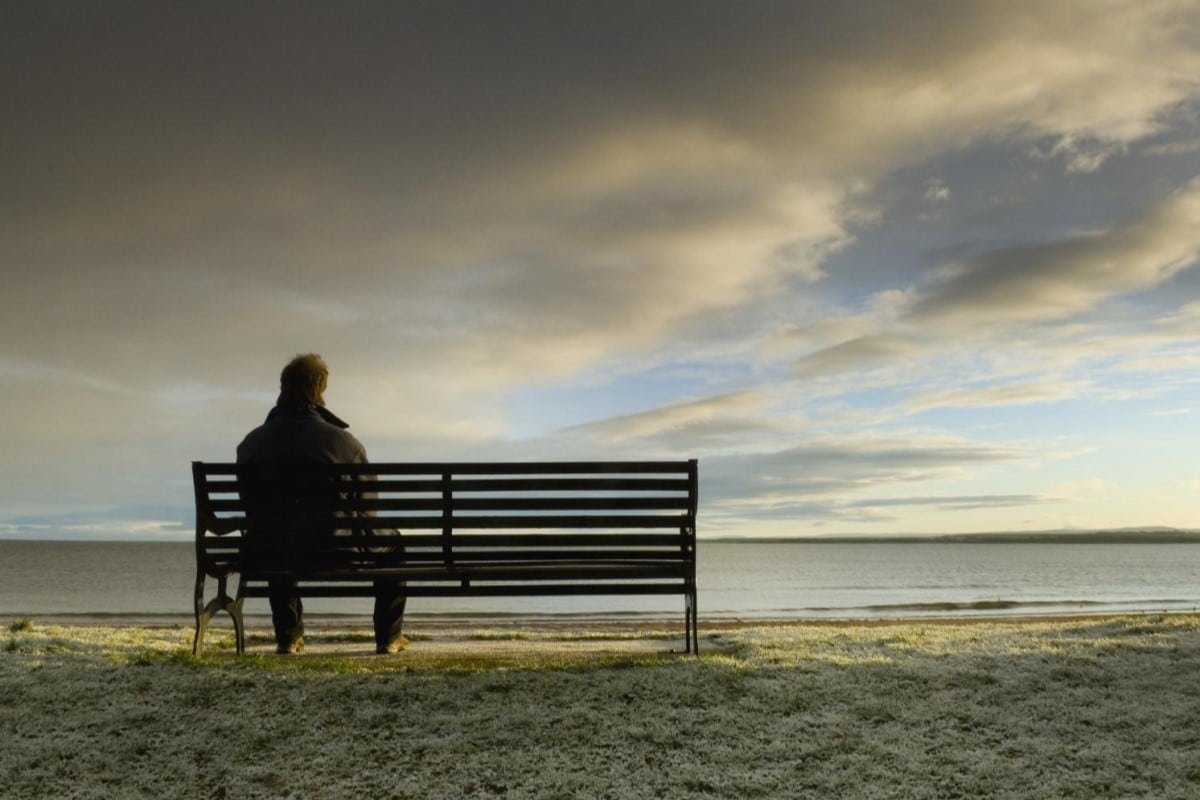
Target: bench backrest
458,512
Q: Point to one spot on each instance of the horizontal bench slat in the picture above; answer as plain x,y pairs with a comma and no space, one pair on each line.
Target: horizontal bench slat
477,540
530,571
508,485
490,522
458,503
540,540
209,469
595,484
486,590
433,552
494,557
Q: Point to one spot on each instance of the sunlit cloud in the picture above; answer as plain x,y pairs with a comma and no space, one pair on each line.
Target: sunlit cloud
695,424
1009,394
1083,487
864,352
1171,412
958,503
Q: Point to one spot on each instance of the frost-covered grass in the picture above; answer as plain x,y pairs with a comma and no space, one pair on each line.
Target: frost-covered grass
1087,708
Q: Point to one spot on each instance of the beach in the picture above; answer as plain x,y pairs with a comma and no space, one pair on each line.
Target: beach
1001,708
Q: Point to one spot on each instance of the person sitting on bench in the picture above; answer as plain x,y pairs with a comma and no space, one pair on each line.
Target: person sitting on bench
299,428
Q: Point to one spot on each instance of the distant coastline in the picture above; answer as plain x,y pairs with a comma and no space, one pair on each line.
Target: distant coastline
1143,535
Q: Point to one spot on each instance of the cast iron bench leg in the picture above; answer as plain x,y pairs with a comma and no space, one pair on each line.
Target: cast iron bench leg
222,602
691,628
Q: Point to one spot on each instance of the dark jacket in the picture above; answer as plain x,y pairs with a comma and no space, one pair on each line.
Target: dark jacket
289,439
304,434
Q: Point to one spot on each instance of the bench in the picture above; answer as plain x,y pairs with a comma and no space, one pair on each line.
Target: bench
465,530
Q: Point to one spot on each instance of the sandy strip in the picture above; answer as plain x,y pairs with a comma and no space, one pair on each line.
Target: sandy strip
1009,708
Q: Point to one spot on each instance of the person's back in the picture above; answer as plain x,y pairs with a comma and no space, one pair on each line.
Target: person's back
307,433
299,429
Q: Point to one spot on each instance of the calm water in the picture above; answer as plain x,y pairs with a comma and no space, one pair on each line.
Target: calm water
736,580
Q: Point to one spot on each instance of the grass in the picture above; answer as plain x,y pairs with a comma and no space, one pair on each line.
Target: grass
1089,708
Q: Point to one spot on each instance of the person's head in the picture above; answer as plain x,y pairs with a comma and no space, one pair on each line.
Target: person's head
302,382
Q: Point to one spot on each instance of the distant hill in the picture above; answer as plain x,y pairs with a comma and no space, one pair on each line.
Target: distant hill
1140,535
1146,535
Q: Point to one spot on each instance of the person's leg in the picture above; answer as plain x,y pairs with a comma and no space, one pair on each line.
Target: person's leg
390,600
287,615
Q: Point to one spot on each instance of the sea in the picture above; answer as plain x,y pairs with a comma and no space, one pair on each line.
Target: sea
149,581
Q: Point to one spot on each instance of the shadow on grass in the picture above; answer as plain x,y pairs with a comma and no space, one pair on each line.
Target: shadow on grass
351,652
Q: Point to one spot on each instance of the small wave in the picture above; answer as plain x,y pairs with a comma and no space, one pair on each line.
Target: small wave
980,605
968,608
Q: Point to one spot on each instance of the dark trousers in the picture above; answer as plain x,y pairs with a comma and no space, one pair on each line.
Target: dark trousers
287,611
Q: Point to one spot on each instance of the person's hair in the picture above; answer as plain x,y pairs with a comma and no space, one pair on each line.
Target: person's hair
303,380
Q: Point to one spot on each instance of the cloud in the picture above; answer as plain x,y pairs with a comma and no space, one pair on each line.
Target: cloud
878,510
838,466
863,352
756,464
153,522
998,293
500,170
1007,394
1086,154
692,426
956,502
1082,487
21,370
1071,275
1184,147
935,190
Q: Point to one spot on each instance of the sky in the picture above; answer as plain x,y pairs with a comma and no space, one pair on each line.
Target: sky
883,267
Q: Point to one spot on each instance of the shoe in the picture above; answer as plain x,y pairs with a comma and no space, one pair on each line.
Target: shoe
392,647
294,648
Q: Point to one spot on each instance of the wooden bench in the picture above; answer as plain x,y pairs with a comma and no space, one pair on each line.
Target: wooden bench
465,530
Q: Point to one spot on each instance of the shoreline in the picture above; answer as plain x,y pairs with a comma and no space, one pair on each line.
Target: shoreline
594,621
